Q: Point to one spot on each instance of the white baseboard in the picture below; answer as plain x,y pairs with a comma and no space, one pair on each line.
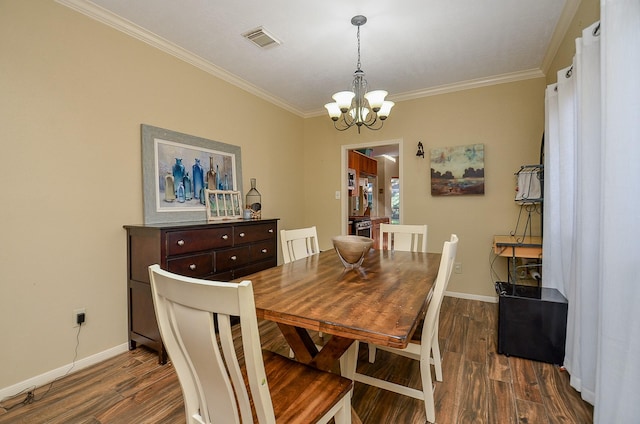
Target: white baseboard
49,376
488,299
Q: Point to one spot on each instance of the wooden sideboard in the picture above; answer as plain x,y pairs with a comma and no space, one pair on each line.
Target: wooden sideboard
218,251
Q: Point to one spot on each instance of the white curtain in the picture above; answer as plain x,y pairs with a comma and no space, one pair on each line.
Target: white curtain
592,210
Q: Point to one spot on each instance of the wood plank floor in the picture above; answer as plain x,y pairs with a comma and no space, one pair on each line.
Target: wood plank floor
479,385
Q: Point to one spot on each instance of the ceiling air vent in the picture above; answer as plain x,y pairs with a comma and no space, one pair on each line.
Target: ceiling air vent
261,38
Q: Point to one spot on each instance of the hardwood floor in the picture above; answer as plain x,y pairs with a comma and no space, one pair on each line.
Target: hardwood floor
479,385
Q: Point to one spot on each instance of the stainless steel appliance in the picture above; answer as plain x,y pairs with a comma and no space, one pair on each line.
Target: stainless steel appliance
361,227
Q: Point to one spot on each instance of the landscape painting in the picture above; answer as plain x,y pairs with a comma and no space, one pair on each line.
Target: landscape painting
457,170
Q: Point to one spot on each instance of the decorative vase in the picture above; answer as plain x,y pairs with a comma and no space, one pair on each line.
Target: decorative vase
169,188
198,178
211,176
178,173
254,201
188,191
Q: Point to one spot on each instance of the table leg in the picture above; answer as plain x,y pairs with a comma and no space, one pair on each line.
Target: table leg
306,351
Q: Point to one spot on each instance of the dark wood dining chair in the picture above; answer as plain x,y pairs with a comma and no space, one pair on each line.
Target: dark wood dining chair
424,346
194,317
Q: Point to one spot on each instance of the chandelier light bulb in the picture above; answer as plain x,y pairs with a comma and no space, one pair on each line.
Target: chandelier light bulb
376,99
334,110
343,99
385,109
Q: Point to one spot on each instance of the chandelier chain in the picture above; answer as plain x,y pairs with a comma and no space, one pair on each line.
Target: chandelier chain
358,65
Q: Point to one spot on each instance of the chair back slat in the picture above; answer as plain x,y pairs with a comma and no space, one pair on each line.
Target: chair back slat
299,243
407,238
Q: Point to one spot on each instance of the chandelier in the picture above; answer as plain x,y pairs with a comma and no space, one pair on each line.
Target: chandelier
357,106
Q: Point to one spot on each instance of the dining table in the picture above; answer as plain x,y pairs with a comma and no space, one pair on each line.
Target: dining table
381,302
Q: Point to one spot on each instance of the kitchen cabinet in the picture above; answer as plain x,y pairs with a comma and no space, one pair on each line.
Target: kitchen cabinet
220,251
375,230
363,166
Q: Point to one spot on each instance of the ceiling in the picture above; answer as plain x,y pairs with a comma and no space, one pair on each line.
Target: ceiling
411,48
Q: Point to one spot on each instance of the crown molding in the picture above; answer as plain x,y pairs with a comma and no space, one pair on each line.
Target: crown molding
108,18
567,15
458,86
123,25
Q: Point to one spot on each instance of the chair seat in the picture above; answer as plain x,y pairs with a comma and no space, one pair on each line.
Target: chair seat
300,393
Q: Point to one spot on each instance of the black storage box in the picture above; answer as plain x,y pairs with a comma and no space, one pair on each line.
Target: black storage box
532,322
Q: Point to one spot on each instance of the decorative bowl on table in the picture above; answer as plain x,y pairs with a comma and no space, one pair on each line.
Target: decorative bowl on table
352,249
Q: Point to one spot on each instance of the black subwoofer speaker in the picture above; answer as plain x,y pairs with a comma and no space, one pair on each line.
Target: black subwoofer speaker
532,322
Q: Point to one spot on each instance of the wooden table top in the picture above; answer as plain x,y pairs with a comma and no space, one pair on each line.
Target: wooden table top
381,303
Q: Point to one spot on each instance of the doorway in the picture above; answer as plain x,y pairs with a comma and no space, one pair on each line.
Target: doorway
382,192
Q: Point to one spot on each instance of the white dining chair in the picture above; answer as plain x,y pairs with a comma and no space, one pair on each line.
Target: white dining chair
299,243
425,347
407,238
194,318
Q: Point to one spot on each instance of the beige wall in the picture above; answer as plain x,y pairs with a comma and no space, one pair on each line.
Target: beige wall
73,93
507,118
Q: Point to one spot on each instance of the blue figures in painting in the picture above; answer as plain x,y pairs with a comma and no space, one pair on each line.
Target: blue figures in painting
198,178
178,174
180,193
188,189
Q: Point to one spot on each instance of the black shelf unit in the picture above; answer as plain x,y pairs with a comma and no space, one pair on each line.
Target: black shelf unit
532,322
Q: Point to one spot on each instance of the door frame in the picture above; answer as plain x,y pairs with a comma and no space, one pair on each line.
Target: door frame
344,161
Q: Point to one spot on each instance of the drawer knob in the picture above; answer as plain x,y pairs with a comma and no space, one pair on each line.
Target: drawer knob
234,257
225,237
264,250
270,230
192,267
180,242
241,234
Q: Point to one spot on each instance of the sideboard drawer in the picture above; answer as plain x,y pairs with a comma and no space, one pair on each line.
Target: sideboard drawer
262,250
188,241
232,258
258,232
192,266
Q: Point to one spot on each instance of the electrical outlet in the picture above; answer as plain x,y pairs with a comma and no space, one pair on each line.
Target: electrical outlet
337,195
76,312
458,268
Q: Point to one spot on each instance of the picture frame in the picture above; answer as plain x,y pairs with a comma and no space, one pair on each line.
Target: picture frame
173,158
457,170
223,204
